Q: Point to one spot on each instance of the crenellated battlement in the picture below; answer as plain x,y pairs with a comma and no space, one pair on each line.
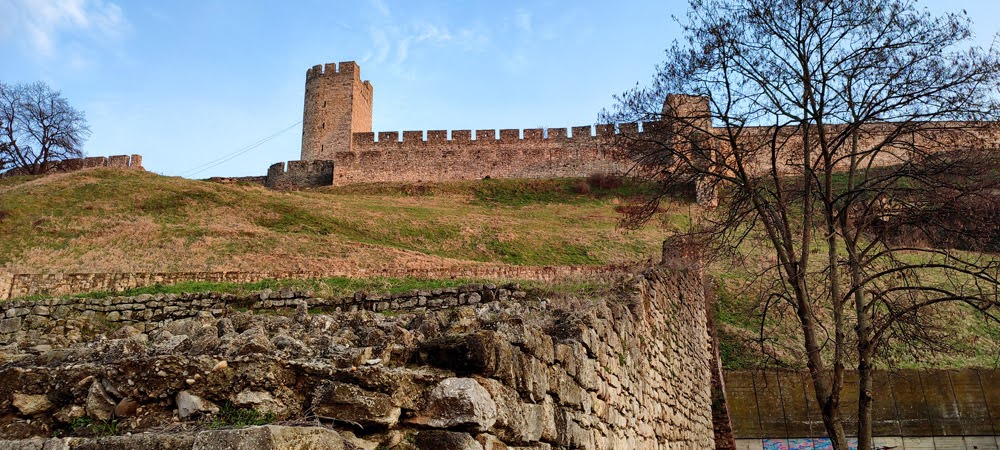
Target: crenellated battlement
582,134
337,126
343,69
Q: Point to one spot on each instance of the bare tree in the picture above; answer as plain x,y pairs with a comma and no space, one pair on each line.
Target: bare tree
38,128
824,126
4,158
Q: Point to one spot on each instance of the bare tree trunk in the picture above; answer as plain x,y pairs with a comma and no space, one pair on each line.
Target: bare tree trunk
863,330
865,403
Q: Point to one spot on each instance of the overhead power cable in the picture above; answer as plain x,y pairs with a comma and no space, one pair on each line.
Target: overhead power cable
235,154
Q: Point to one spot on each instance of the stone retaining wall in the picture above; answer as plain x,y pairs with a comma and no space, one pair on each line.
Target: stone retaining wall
146,312
495,369
13,286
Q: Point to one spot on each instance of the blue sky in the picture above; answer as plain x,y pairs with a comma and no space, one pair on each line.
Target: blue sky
187,81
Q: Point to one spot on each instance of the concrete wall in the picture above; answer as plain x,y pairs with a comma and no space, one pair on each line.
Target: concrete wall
930,404
23,285
880,442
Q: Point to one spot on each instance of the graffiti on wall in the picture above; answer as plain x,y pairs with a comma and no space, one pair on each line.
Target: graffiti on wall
804,444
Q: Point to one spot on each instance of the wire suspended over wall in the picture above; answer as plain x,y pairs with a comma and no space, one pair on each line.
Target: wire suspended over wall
236,154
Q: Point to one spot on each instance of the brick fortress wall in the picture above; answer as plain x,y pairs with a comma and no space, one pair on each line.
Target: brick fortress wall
337,104
464,155
337,126
299,173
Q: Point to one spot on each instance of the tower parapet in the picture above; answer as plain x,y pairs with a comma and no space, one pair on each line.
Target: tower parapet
337,105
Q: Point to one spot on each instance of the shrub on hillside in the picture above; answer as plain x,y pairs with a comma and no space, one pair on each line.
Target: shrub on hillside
581,187
604,180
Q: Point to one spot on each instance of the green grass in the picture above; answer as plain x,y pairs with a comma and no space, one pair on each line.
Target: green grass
108,220
323,287
502,192
231,416
342,286
967,338
96,428
517,193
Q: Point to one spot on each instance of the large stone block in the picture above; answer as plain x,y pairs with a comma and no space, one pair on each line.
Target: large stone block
446,440
270,437
459,403
352,404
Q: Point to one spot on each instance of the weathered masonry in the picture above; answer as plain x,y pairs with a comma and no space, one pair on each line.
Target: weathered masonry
337,137
473,367
70,165
337,132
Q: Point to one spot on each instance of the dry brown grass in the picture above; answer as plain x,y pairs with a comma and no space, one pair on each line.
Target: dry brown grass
107,220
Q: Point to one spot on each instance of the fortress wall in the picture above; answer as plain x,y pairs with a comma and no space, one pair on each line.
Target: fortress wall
299,174
440,155
417,156
931,137
117,162
74,164
337,124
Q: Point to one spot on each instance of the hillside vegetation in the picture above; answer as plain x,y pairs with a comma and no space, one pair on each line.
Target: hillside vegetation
108,220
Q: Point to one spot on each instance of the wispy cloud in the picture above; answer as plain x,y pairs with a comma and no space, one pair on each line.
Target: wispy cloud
522,20
392,44
45,26
381,7
476,38
422,32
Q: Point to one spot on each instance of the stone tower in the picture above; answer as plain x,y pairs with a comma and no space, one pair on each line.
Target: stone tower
337,105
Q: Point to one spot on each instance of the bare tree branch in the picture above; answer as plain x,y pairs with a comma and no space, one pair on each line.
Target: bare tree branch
841,137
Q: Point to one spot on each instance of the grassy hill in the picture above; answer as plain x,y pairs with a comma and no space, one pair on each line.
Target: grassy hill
108,220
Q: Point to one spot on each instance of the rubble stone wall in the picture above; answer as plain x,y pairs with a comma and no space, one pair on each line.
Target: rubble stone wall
13,286
74,164
149,312
487,368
